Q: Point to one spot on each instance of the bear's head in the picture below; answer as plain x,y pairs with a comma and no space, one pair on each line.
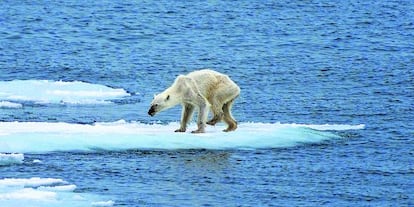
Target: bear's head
161,102
170,97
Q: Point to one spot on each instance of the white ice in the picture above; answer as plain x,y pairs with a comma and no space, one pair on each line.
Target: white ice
32,182
45,192
56,92
43,137
11,105
103,203
11,158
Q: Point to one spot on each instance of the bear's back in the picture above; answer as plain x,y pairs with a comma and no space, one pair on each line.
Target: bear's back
204,74
206,78
209,81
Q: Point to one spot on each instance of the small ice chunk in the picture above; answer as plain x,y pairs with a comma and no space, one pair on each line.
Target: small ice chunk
103,203
11,158
37,161
10,105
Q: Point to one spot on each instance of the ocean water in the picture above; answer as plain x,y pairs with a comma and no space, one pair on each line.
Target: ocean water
325,113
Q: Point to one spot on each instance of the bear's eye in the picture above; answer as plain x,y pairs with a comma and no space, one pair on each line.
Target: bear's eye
168,97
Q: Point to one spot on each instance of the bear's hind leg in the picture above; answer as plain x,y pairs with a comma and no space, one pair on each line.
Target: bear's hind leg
185,117
217,117
228,118
202,118
217,110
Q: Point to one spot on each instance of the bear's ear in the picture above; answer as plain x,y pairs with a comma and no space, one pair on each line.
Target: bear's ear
168,98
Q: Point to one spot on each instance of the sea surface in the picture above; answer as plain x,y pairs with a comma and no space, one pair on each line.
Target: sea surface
325,113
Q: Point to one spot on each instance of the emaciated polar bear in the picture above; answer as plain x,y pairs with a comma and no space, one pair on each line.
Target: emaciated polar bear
200,90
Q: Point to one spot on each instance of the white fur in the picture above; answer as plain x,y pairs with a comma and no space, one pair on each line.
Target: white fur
200,90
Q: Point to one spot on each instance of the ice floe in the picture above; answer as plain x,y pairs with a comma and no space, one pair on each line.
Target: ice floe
43,137
56,92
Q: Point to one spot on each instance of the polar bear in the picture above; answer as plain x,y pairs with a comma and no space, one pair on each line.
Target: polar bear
201,90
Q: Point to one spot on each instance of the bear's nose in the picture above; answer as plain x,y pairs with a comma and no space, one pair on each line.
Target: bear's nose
151,111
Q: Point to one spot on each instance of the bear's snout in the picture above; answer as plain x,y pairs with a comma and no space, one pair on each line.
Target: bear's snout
151,111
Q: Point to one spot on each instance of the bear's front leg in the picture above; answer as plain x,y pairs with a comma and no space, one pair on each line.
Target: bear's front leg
202,118
185,117
180,130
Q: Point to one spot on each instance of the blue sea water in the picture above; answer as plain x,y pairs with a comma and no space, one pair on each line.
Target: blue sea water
77,77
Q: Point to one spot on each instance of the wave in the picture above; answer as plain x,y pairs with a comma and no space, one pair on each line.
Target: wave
45,192
43,137
56,92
